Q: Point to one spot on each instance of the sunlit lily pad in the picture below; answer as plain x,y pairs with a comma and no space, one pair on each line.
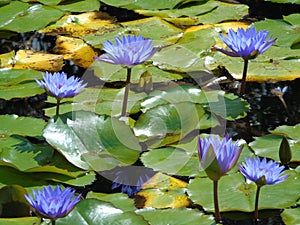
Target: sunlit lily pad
236,195
20,221
182,216
21,17
162,191
159,30
93,211
110,142
291,216
119,200
78,25
109,73
168,123
76,50
79,6
268,145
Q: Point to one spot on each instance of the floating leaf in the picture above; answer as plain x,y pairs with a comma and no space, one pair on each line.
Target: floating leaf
76,50
182,216
268,145
12,202
159,30
21,17
162,191
291,216
38,61
79,6
168,123
93,211
20,221
78,25
119,200
110,73
109,142
142,4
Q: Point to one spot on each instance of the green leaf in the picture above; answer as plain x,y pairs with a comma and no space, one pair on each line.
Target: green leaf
291,216
236,195
174,161
169,123
182,216
10,77
12,202
152,27
24,17
143,4
109,142
80,6
20,221
93,211
13,124
268,146
119,200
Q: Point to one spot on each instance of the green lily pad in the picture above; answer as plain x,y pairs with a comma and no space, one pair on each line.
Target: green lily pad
10,77
80,6
153,27
173,161
21,17
140,4
182,216
285,1
12,202
119,200
110,73
110,142
20,221
236,195
93,211
13,124
168,123
285,33
268,145
291,216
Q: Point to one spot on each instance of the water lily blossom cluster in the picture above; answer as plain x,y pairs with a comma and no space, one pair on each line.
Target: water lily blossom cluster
262,172
53,203
217,157
128,52
59,86
247,44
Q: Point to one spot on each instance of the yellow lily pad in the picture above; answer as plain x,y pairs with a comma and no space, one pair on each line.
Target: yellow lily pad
25,59
163,191
79,25
76,50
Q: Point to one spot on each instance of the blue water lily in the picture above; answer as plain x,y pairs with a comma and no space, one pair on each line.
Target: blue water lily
218,156
58,85
53,203
247,44
128,50
262,171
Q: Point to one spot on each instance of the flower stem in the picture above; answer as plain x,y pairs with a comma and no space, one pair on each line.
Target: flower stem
256,205
127,88
52,222
57,107
216,202
243,83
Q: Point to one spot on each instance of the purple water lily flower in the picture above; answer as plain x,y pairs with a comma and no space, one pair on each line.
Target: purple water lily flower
53,203
128,51
58,85
247,44
262,171
218,156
